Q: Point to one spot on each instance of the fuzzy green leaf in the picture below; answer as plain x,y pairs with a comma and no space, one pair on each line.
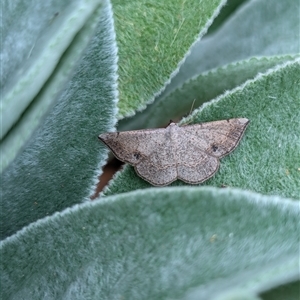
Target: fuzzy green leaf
259,28
227,11
35,37
34,115
153,37
199,90
267,159
237,41
60,164
156,244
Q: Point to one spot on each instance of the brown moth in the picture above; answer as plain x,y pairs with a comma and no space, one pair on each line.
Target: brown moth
190,153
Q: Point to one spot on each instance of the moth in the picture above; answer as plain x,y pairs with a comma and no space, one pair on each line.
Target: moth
190,153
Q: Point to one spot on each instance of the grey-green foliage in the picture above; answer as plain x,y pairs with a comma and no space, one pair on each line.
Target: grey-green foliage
156,244
236,242
259,29
48,175
26,70
267,159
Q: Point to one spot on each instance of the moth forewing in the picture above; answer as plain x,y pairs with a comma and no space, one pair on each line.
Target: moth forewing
191,155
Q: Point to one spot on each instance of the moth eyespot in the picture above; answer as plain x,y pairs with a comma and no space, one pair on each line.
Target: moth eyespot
137,155
214,148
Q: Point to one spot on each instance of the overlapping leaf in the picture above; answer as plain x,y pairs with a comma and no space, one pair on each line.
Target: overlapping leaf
176,242
39,35
153,38
58,168
266,160
155,244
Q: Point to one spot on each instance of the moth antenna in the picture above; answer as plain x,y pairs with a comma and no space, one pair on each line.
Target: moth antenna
192,107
